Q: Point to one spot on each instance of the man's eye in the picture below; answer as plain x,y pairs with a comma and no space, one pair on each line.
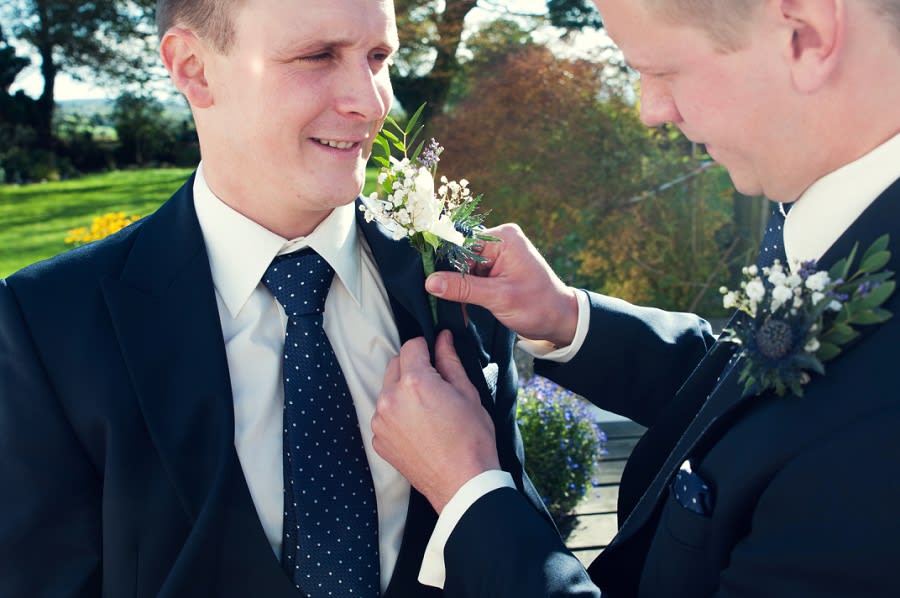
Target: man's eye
383,57
320,57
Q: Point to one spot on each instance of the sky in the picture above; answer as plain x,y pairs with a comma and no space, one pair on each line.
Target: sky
69,89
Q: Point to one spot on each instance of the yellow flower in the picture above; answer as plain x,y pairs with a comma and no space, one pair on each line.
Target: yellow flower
102,226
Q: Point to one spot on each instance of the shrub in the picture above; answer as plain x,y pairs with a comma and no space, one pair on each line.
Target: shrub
102,226
562,445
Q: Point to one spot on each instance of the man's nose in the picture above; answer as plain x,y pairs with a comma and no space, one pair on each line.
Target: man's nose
365,92
657,105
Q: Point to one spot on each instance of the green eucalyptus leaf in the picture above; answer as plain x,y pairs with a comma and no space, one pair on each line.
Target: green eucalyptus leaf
808,361
747,388
875,261
841,270
827,351
872,316
878,246
878,295
840,334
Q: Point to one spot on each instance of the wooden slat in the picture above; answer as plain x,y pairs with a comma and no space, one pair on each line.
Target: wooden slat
596,522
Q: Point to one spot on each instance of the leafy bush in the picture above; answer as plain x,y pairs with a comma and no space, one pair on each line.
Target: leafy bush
562,445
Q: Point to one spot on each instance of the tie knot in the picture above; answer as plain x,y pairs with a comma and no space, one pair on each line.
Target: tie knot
300,282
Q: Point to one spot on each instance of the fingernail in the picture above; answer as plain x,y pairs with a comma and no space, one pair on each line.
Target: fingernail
436,285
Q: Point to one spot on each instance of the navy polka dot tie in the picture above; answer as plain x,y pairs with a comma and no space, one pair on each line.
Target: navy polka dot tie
330,539
772,246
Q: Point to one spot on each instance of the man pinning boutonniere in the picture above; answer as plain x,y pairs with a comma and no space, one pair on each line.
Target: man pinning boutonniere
769,464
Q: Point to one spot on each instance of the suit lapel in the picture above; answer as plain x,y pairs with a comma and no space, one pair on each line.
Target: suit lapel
720,407
404,279
166,320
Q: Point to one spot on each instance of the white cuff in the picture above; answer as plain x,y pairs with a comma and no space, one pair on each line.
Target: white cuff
433,572
546,350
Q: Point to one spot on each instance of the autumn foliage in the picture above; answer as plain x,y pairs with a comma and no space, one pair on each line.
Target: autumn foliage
556,149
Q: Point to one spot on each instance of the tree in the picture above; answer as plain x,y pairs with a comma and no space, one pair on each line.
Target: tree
431,35
10,64
574,14
554,147
103,36
144,131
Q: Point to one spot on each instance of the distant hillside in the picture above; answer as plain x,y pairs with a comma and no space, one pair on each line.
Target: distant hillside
174,110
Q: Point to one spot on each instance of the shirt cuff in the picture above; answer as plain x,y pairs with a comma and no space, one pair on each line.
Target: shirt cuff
433,572
546,350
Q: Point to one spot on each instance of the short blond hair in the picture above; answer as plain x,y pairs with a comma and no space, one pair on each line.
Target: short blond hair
211,20
724,20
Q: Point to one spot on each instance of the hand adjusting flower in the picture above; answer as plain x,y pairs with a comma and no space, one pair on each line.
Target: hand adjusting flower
440,223
801,319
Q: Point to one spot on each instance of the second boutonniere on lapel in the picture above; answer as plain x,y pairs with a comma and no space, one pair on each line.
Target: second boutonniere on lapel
799,319
436,215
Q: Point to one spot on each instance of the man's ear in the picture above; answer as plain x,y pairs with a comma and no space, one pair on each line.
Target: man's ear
184,56
818,31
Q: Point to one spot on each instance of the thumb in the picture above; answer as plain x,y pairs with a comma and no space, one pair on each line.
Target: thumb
448,364
453,286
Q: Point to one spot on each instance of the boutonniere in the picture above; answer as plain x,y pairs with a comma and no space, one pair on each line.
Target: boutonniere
436,215
802,318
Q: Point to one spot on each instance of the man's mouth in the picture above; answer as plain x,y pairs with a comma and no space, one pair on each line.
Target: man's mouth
341,145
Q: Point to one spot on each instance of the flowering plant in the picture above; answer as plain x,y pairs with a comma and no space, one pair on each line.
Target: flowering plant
562,443
101,226
439,221
801,319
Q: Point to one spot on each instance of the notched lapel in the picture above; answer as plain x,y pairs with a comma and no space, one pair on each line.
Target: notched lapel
165,316
724,395
404,279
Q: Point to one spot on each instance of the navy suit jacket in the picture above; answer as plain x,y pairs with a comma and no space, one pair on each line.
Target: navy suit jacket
118,473
806,493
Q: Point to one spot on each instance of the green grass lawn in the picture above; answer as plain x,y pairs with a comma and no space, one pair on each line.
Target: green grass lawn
34,219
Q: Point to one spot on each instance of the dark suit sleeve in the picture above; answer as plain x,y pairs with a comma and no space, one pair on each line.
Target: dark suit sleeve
49,492
503,548
633,359
827,524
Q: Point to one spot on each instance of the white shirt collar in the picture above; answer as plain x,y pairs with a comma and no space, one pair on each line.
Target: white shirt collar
827,209
240,250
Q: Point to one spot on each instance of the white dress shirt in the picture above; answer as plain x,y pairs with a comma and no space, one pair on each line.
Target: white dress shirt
830,205
357,320
816,220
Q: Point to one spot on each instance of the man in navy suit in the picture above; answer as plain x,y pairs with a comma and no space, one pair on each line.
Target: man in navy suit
800,101
141,392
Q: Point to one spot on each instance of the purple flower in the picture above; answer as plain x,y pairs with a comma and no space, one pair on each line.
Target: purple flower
808,268
867,287
431,154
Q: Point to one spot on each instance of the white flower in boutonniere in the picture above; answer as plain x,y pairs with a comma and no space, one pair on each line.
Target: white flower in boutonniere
800,320
441,222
